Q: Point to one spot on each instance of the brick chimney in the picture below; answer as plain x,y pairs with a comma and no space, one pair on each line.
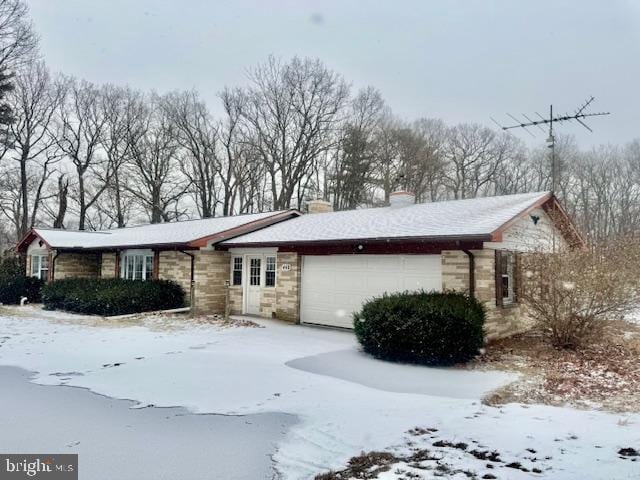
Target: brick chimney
401,199
319,206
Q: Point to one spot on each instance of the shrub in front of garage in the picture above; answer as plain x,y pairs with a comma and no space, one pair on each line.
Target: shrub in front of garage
14,284
112,296
429,328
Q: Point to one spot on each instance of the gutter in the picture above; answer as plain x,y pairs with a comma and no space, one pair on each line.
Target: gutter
370,240
472,272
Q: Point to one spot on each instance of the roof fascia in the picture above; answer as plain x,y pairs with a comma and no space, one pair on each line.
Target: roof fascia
496,235
28,239
374,240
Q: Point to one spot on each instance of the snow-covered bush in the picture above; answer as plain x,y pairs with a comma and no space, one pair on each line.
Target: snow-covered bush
421,327
111,296
14,284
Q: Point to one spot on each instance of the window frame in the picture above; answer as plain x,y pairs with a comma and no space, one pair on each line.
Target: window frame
506,272
137,262
39,271
239,271
268,263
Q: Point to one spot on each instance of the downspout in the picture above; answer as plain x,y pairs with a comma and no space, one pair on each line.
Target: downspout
192,282
52,270
472,272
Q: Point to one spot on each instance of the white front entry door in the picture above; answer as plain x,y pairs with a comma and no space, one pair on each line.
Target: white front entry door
335,286
253,285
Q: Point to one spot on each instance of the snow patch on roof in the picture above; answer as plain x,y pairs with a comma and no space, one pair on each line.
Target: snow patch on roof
477,216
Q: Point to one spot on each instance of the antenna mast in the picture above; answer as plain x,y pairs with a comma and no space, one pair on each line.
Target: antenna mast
579,115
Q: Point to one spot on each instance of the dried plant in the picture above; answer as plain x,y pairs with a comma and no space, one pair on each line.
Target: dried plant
571,294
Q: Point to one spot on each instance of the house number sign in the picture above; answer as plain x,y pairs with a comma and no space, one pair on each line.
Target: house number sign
286,267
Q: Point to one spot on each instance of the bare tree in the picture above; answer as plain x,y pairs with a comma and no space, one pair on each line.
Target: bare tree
17,40
31,148
349,173
81,129
290,112
197,136
122,109
421,155
475,155
156,180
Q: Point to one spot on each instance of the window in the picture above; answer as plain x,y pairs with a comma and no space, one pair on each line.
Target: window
137,266
270,272
505,277
254,271
236,271
40,266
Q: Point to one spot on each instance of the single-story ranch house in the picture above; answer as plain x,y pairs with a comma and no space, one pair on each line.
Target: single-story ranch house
320,267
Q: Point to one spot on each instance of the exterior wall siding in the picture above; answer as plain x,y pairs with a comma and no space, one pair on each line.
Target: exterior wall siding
76,265
287,299
108,265
176,266
235,300
212,270
501,321
526,236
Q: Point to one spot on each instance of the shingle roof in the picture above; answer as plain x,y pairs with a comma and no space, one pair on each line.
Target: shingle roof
148,235
455,218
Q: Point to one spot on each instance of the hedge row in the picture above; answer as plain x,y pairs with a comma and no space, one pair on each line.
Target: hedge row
14,284
421,327
112,296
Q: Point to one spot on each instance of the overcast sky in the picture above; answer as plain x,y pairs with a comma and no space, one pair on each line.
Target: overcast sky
463,61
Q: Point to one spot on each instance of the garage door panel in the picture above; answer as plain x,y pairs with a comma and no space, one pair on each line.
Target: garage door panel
385,263
378,284
335,286
416,282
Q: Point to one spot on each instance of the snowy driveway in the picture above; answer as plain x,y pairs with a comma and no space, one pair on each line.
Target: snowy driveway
345,402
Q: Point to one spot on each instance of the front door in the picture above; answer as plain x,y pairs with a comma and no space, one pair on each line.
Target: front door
253,285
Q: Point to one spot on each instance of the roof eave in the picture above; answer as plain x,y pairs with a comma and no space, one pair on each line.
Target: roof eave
341,241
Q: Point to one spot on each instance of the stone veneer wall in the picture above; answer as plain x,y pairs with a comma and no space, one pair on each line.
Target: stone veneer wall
235,300
501,321
287,301
72,265
176,266
108,265
212,270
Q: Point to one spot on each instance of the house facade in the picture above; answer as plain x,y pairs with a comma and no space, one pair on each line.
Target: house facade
320,267
181,251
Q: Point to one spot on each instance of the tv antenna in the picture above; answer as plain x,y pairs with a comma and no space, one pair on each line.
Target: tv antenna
579,115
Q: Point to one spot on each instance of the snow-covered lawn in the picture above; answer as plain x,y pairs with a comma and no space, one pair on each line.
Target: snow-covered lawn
345,402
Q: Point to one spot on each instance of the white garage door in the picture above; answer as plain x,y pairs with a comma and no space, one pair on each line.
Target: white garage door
334,286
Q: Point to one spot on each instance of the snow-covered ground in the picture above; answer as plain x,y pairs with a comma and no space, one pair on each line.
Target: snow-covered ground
345,402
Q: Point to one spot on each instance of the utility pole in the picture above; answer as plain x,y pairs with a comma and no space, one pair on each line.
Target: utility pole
579,115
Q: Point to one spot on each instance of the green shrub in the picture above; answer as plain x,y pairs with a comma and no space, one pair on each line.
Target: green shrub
421,327
14,284
111,296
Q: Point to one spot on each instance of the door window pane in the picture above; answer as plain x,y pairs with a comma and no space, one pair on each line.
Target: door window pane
254,272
